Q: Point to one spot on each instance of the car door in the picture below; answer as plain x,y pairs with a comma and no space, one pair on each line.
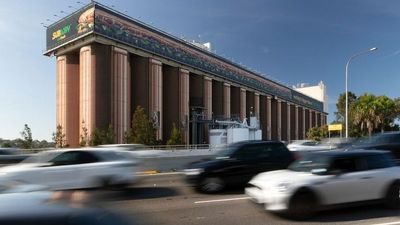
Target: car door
376,175
346,185
393,145
243,164
64,171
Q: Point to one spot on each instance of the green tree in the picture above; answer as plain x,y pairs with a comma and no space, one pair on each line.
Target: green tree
96,137
340,114
175,138
85,139
143,131
7,144
26,137
366,113
385,111
341,106
317,133
128,136
109,135
59,137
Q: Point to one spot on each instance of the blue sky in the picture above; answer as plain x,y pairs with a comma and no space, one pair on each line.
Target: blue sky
293,41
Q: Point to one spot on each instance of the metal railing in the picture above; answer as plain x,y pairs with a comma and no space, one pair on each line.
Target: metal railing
154,147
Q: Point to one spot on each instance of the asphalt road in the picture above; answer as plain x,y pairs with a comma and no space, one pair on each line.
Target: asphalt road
166,199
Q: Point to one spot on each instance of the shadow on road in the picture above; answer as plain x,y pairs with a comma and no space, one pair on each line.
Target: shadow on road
137,193
349,214
355,213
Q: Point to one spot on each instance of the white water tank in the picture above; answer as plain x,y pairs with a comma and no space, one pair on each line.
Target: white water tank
237,134
218,137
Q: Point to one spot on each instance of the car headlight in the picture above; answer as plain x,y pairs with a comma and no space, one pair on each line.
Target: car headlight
283,187
191,172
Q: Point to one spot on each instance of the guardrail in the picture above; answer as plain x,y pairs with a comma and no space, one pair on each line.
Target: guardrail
177,147
154,147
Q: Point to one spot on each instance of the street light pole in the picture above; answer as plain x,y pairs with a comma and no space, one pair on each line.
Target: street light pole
347,71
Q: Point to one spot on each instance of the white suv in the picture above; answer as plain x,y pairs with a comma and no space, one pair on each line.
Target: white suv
73,169
325,179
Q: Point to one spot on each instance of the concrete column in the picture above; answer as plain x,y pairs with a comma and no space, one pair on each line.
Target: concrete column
288,121
87,92
257,105
310,120
207,95
322,119
279,118
316,119
155,96
304,124
296,124
269,115
67,102
120,93
242,103
184,104
227,100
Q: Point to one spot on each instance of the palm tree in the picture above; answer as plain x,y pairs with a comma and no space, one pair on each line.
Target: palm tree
366,113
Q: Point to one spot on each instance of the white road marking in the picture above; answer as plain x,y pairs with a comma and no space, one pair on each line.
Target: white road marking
221,200
390,223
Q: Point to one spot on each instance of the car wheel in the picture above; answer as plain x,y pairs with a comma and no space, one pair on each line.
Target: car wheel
212,185
393,196
103,183
302,205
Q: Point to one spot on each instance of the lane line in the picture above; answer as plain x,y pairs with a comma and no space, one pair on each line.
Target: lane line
148,173
390,223
221,200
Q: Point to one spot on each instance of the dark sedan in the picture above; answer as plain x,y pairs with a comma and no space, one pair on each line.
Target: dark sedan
237,164
383,141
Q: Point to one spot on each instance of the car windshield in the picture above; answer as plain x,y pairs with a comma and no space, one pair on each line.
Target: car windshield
41,157
225,151
311,162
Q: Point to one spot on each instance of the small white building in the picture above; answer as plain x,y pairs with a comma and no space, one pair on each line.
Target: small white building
317,92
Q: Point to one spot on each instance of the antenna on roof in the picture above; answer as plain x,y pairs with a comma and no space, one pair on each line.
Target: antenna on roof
44,25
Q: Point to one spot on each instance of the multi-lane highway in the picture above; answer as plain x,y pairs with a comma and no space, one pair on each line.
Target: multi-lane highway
166,199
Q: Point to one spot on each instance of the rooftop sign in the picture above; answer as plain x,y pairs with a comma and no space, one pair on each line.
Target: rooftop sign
75,25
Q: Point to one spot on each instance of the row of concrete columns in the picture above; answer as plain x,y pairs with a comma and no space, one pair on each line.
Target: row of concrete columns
94,90
312,120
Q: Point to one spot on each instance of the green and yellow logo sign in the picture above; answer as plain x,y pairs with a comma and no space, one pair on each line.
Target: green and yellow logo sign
61,33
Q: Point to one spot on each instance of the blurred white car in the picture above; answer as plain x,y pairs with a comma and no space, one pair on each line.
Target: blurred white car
73,169
305,145
325,179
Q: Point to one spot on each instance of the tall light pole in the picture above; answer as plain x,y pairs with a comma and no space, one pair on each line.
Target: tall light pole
347,71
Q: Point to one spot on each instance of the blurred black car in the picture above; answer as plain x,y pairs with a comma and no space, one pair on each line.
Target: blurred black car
383,141
237,164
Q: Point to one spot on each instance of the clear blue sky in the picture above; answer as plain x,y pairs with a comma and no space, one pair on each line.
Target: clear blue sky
293,41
